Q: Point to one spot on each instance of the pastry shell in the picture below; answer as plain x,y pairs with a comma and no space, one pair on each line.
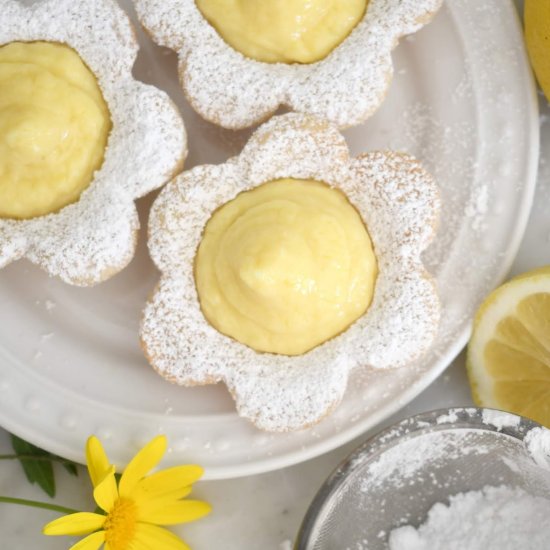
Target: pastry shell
399,202
90,240
234,91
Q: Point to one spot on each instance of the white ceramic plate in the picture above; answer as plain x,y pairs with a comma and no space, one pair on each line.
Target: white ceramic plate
462,100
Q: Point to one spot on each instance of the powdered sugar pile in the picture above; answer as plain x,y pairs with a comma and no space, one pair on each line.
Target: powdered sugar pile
537,443
235,92
500,419
90,240
399,203
495,518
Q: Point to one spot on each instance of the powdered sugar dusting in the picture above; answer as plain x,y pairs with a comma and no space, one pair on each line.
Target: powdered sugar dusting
537,443
402,462
234,91
500,419
449,418
398,201
92,239
498,518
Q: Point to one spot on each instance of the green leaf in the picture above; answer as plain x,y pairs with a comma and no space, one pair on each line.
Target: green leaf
37,471
71,468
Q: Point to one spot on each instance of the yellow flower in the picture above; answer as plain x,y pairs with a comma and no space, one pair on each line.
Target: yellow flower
136,506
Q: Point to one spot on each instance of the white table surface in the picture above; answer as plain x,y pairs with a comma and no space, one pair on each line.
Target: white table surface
263,512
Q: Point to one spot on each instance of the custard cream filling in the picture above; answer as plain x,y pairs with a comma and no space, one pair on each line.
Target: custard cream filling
54,127
283,31
285,267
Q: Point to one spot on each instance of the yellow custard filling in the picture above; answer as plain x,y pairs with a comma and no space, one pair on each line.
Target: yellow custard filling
285,31
286,266
54,126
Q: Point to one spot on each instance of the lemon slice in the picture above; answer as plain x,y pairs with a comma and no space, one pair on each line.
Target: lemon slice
509,353
537,36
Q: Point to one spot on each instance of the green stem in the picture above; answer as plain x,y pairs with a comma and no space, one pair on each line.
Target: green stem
35,504
45,458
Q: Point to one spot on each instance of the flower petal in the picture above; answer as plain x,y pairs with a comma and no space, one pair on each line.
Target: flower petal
106,492
170,480
152,536
139,495
91,542
142,463
163,513
98,463
146,506
80,523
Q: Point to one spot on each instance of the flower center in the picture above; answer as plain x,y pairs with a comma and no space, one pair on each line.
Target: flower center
120,525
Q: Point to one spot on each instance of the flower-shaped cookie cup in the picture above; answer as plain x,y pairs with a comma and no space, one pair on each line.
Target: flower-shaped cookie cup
94,238
399,203
234,91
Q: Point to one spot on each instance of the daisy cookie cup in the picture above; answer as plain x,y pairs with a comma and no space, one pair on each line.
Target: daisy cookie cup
93,237
234,91
398,202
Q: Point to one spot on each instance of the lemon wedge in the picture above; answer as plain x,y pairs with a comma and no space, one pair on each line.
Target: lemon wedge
508,359
536,17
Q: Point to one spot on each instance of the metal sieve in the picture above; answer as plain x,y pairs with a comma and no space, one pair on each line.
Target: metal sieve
397,476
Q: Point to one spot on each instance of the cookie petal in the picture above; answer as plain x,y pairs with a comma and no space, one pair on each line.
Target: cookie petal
13,245
407,15
402,320
271,398
87,253
179,344
147,111
404,196
294,146
73,22
181,211
239,93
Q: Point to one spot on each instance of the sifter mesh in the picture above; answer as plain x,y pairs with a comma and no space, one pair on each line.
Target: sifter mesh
395,478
